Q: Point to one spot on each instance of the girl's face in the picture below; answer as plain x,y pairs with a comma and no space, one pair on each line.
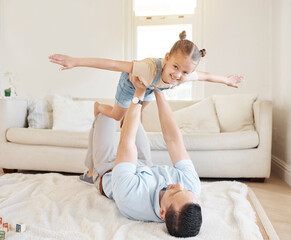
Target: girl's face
177,68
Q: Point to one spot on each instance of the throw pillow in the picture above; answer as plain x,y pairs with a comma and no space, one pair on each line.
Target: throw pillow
72,115
235,112
198,118
40,114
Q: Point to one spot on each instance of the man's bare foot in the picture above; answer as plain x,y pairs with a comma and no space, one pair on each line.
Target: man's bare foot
96,108
90,173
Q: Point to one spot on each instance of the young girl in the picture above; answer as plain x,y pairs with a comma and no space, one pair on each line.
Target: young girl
177,67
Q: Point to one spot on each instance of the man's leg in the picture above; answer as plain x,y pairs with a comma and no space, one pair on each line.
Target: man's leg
143,146
87,177
89,158
102,146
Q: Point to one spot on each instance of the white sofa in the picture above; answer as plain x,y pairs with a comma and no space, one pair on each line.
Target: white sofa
225,154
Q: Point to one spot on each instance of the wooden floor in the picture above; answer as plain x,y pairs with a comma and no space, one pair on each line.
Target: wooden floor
275,197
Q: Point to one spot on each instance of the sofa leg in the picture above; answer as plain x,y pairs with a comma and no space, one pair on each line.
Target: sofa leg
257,180
5,170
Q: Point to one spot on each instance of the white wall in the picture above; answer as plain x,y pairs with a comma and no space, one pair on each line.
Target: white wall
281,76
34,29
247,37
235,33
237,38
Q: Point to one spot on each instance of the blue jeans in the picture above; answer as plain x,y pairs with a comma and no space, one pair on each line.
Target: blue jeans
125,91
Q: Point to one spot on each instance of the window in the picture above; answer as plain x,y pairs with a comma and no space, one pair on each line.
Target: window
155,27
164,7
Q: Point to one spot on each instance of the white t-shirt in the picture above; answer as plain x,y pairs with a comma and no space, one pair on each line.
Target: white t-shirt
146,71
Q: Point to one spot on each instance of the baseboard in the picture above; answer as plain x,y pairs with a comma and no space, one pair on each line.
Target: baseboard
282,169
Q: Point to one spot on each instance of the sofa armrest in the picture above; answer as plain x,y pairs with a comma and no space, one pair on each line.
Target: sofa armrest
263,123
13,113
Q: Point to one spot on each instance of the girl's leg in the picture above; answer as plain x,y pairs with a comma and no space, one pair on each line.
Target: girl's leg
116,112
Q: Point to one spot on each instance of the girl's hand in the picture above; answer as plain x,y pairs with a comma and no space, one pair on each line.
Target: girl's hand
66,61
234,80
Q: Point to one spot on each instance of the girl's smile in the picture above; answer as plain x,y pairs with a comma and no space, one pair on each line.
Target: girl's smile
177,68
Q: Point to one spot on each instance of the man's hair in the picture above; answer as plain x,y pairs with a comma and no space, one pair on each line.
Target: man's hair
185,223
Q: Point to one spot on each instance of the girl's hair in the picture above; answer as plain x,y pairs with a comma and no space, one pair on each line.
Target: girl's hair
188,48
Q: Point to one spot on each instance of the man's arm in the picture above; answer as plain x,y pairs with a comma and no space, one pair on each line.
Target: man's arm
232,80
127,151
68,62
170,130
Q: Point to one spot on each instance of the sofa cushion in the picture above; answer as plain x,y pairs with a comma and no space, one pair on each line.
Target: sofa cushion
40,114
235,112
198,118
150,117
72,115
48,137
84,104
216,141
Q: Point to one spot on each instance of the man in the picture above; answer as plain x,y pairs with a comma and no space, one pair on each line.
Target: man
143,192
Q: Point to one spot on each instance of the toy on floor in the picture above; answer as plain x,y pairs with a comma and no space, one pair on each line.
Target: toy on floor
6,227
20,227
2,234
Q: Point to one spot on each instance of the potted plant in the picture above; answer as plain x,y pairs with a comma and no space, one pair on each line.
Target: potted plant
9,88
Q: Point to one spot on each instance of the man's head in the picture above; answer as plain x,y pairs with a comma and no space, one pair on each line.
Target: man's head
181,211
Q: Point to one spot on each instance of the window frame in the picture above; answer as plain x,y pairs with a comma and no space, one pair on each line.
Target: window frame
132,22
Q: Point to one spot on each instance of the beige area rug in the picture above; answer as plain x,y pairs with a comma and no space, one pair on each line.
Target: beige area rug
54,206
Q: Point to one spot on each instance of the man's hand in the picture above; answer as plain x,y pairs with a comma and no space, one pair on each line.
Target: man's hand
233,80
139,86
159,93
66,61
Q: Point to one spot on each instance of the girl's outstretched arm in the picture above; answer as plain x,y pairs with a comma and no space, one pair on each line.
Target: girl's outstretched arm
232,80
68,62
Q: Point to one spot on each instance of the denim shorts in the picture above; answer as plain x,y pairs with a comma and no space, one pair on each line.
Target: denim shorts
125,91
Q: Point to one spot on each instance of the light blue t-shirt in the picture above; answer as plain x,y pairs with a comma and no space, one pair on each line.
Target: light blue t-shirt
135,189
